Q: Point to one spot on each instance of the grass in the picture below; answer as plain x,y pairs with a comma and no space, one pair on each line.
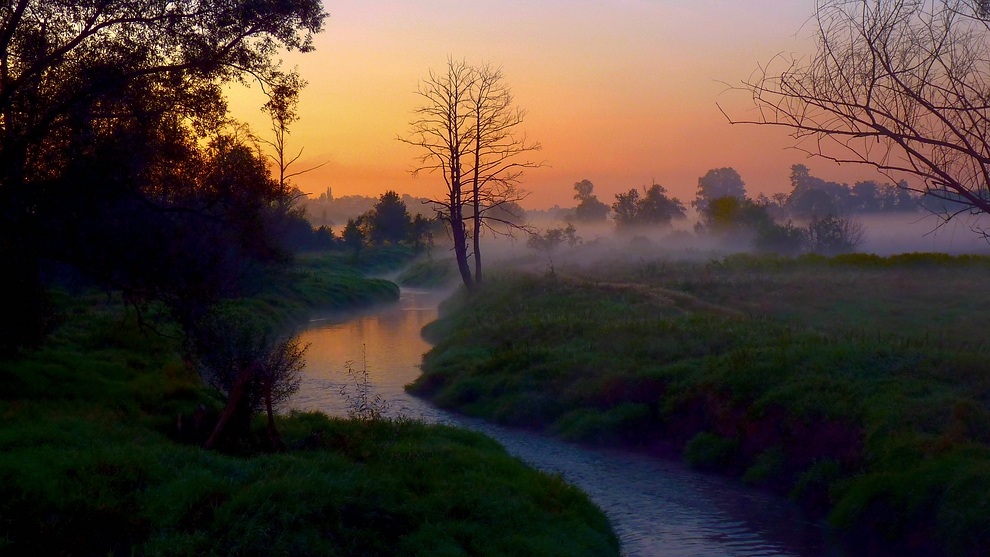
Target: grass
370,261
93,462
889,434
429,273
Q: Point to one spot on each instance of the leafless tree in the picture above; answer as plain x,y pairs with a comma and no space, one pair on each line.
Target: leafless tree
900,85
499,156
467,129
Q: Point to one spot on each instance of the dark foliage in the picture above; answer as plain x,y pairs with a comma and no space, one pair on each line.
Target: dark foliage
654,208
389,220
590,209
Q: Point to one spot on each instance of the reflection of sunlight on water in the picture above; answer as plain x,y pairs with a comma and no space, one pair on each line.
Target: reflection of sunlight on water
658,508
387,341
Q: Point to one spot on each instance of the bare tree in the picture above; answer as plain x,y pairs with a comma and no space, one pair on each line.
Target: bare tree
442,130
467,128
900,85
499,156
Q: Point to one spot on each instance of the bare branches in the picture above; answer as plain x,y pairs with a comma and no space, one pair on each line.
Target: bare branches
467,130
900,85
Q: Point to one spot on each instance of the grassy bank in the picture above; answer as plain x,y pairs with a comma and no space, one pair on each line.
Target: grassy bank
889,434
430,273
99,455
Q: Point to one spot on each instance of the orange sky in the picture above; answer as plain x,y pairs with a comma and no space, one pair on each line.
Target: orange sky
621,92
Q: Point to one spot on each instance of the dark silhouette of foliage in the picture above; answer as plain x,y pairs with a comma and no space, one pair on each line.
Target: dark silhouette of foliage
389,220
421,230
553,238
900,86
590,209
652,209
353,236
115,154
832,235
717,183
744,222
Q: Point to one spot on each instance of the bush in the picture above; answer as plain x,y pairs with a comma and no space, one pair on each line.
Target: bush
832,235
710,452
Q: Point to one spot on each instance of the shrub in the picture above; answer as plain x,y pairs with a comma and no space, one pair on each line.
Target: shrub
707,451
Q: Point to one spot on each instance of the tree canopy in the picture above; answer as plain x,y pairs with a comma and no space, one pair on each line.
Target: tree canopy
116,155
652,209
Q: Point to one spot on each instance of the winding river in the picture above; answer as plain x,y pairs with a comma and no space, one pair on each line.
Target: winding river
657,507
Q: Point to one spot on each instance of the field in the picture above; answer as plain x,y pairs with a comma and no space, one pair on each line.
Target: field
856,385
100,454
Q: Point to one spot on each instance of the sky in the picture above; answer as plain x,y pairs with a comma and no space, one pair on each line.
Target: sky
620,92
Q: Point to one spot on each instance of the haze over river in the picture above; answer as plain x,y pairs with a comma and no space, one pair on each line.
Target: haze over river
658,508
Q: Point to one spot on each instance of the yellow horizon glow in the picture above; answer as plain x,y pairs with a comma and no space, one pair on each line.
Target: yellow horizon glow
620,92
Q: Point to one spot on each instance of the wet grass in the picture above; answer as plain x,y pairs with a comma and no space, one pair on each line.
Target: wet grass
888,434
92,462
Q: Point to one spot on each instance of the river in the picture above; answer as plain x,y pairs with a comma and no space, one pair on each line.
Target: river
658,508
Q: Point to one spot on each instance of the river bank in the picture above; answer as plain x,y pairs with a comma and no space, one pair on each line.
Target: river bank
94,461
881,433
658,508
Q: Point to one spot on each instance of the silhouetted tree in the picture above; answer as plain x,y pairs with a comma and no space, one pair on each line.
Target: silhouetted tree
743,222
553,238
105,108
420,233
590,209
831,235
389,220
282,90
467,127
901,86
499,157
353,236
718,183
255,366
652,209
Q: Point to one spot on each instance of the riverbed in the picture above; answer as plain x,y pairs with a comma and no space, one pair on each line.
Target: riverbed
659,508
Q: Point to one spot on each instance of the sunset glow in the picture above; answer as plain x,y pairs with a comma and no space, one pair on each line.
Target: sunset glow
621,92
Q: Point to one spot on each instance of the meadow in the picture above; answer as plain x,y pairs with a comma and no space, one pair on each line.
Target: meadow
858,385
101,454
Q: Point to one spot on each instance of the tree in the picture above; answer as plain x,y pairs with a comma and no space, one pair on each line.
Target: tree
553,238
716,183
467,128
831,235
256,367
590,209
353,236
109,112
653,208
282,90
420,233
389,220
897,85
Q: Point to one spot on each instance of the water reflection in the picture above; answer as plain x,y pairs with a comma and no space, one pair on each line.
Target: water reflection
658,508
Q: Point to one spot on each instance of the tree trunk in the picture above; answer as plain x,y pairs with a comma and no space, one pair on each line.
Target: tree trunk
277,444
235,397
457,228
460,251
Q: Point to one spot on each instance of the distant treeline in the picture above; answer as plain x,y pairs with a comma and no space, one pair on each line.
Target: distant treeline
327,210
387,221
810,197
